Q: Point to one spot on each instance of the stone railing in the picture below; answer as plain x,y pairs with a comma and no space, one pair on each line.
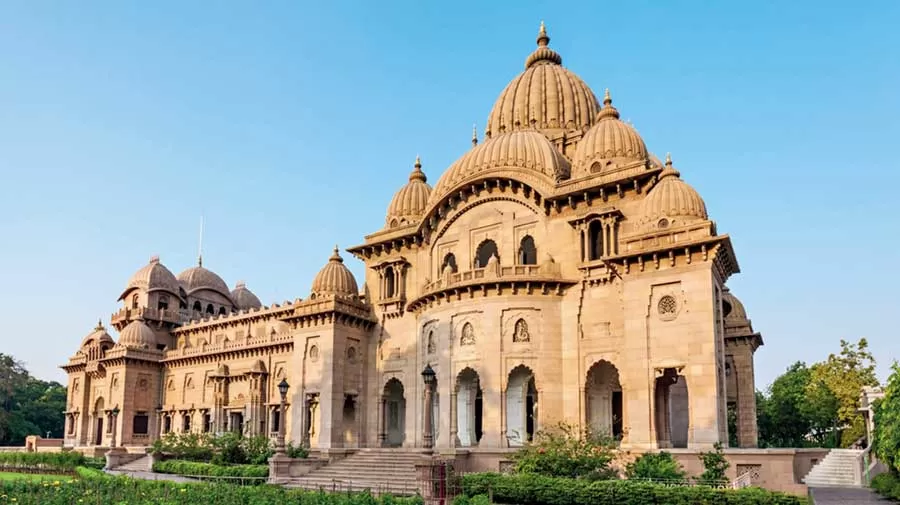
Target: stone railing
229,345
168,315
548,269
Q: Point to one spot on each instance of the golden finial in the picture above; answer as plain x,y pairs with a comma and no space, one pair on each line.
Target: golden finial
418,162
474,135
668,159
607,99
336,256
417,173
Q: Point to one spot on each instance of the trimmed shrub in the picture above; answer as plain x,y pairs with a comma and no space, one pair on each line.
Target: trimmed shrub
887,485
566,451
656,466
256,472
42,461
524,489
225,449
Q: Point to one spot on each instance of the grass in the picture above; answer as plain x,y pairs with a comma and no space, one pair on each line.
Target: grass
34,477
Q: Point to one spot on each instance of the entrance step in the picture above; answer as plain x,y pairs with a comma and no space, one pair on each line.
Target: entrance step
839,468
381,471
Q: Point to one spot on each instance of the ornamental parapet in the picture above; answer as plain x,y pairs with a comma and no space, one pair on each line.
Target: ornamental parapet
544,279
229,346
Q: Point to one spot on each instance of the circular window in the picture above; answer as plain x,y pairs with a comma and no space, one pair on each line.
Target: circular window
314,353
663,223
667,306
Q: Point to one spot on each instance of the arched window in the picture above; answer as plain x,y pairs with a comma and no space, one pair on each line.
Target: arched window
527,251
210,309
485,251
595,240
389,287
134,301
222,311
163,303
450,260
198,307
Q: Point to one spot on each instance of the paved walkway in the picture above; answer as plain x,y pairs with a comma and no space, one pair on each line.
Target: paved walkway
846,496
152,476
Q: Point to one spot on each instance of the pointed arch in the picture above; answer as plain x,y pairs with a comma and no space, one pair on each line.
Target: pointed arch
527,251
486,249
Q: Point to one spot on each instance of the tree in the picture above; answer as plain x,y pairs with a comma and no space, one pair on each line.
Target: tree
886,437
840,380
714,466
788,417
28,406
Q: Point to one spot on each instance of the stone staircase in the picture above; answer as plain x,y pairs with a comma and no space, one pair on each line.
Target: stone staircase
142,464
840,468
378,470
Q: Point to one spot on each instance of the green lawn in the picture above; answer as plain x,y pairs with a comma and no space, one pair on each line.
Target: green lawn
37,477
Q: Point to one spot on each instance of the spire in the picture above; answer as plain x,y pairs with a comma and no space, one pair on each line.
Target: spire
200,246
99,325
608,111
668,159
543,53
474,135
417,174
336,256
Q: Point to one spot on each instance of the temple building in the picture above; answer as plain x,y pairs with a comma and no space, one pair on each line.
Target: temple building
557,271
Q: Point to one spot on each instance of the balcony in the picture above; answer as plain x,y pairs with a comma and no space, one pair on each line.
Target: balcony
541,279
166,315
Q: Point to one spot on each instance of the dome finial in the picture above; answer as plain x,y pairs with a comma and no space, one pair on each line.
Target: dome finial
99,325
417,174
608,111
669,170
474,135
543,39
336,255
668,159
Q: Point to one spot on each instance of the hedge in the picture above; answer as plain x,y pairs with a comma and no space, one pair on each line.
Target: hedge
887,485
95,488
42,461
190,468
525,489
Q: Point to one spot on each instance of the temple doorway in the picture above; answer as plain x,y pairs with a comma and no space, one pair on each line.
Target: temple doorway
521,406
469,408
603,394
395,413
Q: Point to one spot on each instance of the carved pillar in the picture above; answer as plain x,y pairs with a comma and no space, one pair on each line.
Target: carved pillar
428,428
504,439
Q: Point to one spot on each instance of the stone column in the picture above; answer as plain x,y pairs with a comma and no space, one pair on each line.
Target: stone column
382,421
746,398
454,417
504,440
428,428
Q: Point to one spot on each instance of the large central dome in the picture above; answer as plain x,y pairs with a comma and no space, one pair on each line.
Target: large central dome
545,96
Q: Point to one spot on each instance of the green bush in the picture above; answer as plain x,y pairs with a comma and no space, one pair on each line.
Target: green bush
92,487
886,437
714,466
191,468
296,451
566,451
656,466
42,461
524,489
227,448
887,485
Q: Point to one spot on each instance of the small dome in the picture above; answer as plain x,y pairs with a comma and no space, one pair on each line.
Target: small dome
544,96
735,315
607,144
98,336
409,203
137,335
198,278
335,279
244,298
153,276
526,151
672,198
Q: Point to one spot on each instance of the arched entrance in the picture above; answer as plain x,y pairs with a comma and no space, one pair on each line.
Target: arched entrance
521,406
469,408
99,406
603,397
394,413
671,403
486,249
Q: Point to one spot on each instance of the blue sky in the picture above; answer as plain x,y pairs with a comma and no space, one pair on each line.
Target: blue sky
121,123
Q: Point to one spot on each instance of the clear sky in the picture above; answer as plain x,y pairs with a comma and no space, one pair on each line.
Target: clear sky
289,126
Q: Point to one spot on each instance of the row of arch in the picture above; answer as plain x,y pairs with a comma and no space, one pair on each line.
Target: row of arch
604,407
163,304
487,249
521,334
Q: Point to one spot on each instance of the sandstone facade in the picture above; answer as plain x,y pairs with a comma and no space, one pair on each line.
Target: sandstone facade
558,271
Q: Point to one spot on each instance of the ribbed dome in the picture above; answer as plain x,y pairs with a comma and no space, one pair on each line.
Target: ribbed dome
244,298
672,198
97,336
544,96
198,278
733,309
153,276
409,203
608,144
137,335
522,150
335,279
